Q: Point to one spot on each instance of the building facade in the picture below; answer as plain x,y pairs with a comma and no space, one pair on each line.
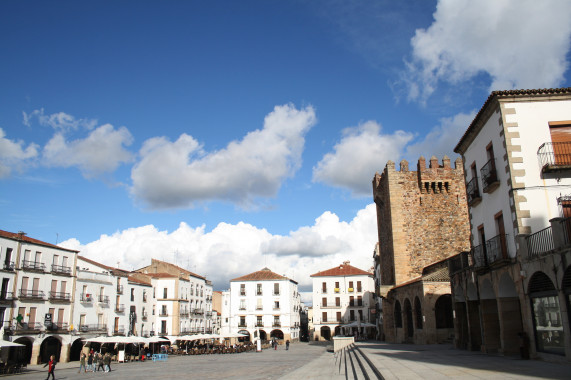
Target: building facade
512,289
422,220
264,305
343,302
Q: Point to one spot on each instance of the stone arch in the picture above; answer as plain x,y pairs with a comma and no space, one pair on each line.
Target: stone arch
27,351
246,337
418,313
263,335
50,346
409,328
506,287
75,350
338,331
325,332
277,333
443,312
487,290
398,314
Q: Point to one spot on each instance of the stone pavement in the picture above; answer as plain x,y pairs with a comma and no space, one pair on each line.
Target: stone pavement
305,361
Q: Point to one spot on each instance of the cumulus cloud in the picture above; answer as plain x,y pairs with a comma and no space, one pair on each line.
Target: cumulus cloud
102,151
441,139
518,43
59,121
14,154
361,152
181,173
242,248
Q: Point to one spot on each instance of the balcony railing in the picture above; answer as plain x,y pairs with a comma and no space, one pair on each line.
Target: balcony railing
259,324
163,332
103,299
145,315
163,313
33,265
120,308
120,330
93,327
58,326
458,263
489,176
240,324
554,156
539,242
8,265
86,297
208,314
32,294
6,297
473,192
60,269
28,328
497,249
119,289
276,324
185,314
59,296
479,256
198,311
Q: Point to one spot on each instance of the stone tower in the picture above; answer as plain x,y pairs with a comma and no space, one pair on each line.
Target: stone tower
422,217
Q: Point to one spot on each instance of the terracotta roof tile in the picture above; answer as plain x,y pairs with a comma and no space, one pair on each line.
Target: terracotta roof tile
261,275
115,271
342,270
16,236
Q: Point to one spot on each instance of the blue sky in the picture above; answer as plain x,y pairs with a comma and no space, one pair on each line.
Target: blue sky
226,136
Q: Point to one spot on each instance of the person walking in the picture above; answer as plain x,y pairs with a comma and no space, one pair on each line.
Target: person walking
51,368
287,345
82,360
100,364
90,361
107,362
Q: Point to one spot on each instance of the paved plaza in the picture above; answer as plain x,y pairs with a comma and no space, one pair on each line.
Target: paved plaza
305,361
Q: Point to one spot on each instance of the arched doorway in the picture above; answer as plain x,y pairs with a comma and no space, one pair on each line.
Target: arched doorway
325,332
549,336
75,350
246,337
338,331
418,313
398,315
263,335
50,346
409,333
278,334
27,351
443,312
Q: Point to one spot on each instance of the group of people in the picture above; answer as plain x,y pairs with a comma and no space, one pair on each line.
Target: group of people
94,362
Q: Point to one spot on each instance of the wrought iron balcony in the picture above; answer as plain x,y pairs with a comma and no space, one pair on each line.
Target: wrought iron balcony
259,324
86,297
489,174
119,289
554,156
6,297
164,332
240,324
479,256
59,326
198,311
32,294
145,315
9,265
120,330
458,263
208,314
276,324
184,314
473,192
60,269
28,328
103,299
93,327
119,308
163,313
497,249
33,265
59,296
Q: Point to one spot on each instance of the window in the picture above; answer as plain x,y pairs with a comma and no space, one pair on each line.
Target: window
338,316
352,315
276,289
165,293
351,301
561,141
242,289
259,322
276,321
359,301
324,287
324,316
259,304
24,286
546,314
276,305
350,286
132,295
324,302
242,304
337,301
242,321
259,289
359,289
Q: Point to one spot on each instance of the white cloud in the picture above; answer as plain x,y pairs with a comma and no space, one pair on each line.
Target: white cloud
519,43
181,173
103,150
230,251
362,151
14,155
441,139
59,121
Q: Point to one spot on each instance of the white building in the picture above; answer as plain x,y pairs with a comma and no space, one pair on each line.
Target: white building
267,303
37,295
517,277
343,295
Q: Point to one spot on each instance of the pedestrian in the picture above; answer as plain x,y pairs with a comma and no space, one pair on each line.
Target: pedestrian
107,362
287,344
90,361
100,364
82,360
275,344
51,368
